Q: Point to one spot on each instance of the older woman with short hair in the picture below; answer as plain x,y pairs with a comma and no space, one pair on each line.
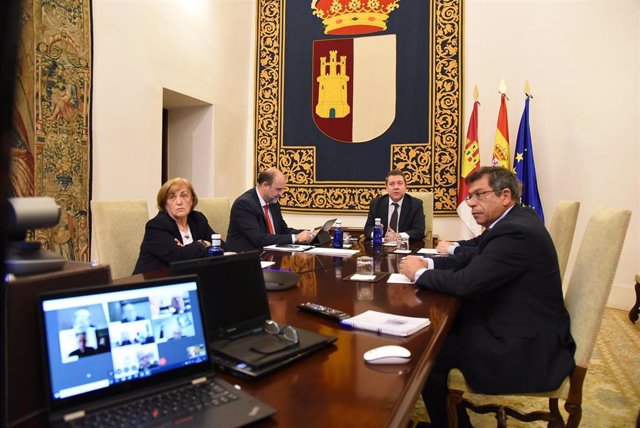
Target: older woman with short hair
177,232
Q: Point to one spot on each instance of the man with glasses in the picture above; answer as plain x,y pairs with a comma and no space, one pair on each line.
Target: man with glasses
256,220
512,332
465,245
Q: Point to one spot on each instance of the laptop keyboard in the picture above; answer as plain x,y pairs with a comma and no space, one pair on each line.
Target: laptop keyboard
168,405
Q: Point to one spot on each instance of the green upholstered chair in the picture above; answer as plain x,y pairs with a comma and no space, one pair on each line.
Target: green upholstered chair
217,211
561,228
427,206
118,229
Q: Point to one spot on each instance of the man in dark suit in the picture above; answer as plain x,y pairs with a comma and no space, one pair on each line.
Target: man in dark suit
458,247
408,220
256,220
512,332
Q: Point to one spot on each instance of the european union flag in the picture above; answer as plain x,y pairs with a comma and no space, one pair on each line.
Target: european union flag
524,165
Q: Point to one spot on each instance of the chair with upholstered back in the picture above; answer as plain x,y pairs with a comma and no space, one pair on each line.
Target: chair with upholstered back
427,206
217,211
586,297
562,228
118,229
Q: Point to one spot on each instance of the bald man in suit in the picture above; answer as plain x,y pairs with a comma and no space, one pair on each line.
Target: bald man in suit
256,220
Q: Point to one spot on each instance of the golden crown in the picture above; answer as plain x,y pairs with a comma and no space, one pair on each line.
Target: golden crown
353,16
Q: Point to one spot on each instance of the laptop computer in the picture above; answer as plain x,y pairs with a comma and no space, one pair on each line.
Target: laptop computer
322,235
131,352
236,308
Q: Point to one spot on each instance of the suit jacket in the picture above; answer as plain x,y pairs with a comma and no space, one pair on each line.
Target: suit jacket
248,226
514,327
468,245
159,248
411,217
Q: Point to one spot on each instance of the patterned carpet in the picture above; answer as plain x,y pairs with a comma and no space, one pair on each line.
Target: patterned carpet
612,384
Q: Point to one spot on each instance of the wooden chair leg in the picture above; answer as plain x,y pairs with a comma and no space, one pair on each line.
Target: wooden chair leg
557,421
501,417
635,309
575,414
454,398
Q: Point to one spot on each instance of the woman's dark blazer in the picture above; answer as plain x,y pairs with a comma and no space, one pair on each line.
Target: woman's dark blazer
159,248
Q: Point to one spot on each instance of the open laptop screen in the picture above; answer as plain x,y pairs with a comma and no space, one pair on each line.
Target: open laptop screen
117,338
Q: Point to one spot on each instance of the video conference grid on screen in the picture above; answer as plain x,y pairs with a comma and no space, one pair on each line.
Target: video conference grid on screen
101,339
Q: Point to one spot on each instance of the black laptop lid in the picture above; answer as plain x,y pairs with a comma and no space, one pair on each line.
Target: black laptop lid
104,342
322,235
233,290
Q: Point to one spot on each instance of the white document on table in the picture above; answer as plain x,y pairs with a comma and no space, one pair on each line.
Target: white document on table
398,278
427,251
325,251
361,277
291,248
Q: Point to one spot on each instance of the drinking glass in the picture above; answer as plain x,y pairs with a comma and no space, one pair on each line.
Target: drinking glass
364,265
403,244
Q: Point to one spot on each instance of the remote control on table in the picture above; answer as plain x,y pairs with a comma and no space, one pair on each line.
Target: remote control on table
324,311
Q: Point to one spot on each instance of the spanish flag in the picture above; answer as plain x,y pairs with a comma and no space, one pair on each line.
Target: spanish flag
501,145
470,163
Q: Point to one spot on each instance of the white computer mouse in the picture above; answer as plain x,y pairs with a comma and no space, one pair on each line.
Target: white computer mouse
389,354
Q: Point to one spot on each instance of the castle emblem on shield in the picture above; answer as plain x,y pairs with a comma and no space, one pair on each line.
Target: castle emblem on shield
332,87
354,79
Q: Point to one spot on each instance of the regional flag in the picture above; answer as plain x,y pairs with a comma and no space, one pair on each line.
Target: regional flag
524,165
470,163
501,145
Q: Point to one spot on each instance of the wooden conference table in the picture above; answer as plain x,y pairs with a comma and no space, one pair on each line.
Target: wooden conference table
334,387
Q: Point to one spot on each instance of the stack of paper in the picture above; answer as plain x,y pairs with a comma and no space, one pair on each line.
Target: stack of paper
427,251
398,278
397,325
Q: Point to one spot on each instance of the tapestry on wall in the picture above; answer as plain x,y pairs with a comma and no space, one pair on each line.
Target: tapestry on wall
51,153
347,90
